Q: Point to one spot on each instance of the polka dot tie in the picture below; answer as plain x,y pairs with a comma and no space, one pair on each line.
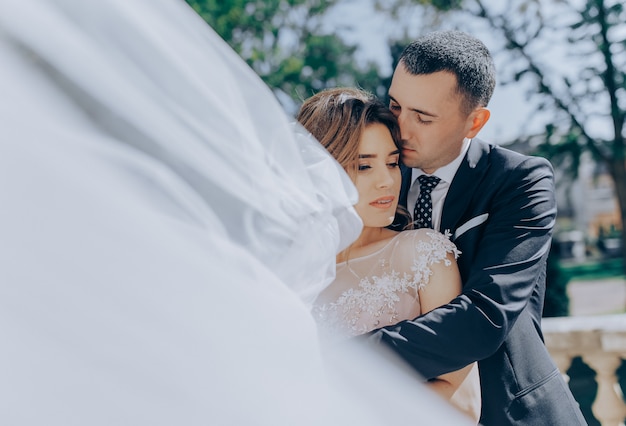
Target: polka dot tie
423,213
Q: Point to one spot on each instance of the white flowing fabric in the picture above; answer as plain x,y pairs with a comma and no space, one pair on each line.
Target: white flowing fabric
163,231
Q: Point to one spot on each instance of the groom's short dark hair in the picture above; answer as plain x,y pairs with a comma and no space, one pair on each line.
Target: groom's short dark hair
459,53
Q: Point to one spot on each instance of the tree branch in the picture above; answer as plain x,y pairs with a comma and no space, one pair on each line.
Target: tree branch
500,23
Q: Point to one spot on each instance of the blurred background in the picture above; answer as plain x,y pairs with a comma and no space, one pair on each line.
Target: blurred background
561,94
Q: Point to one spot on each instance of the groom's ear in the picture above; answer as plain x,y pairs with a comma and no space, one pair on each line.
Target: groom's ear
476,120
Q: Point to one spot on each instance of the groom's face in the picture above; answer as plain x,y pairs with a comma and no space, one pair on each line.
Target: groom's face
432,123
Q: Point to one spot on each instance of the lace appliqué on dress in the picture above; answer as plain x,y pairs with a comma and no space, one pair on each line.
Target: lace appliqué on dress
373,303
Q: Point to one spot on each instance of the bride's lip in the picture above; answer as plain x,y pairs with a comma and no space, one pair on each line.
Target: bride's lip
383,202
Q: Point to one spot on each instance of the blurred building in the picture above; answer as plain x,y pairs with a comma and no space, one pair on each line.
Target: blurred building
588,221
596,210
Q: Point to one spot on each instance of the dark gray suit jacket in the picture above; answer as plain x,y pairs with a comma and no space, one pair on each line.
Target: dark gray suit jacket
500,209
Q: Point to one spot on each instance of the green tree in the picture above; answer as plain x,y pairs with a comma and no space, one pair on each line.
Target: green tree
556,303
573,102
287,45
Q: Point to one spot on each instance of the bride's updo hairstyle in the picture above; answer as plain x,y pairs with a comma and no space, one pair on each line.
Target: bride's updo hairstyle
337,118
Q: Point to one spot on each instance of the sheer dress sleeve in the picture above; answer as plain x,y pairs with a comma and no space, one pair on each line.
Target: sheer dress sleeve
381,288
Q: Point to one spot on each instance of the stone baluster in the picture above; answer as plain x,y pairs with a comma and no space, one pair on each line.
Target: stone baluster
601,342
608,407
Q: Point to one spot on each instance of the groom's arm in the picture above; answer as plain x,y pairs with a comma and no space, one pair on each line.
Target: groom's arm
508,264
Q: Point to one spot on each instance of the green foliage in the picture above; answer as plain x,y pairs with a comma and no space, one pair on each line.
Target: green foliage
563,150
556,303
240,20
608,268
396,5
285,44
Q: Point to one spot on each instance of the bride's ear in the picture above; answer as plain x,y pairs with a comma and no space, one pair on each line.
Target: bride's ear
476,120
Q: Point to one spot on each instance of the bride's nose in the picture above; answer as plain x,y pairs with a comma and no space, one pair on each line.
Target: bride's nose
385,179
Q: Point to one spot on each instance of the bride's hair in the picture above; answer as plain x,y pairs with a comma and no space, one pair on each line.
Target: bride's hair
337,118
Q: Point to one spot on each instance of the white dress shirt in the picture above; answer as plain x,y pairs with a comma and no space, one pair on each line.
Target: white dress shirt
438,195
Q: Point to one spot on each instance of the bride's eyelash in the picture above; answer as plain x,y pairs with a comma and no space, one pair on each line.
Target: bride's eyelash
422,121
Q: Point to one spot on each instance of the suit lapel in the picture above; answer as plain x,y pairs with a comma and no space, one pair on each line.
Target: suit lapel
465,183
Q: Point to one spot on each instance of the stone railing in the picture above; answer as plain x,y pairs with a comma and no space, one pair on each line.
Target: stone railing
601,343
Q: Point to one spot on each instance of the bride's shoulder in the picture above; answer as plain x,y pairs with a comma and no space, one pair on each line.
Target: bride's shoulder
427,240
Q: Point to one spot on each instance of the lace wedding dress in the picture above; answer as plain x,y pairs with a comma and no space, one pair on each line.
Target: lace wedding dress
381,288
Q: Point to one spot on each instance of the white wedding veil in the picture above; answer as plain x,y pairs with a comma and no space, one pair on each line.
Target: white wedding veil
155,80
163,229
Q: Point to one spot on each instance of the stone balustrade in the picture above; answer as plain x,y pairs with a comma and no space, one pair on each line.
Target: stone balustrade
601,343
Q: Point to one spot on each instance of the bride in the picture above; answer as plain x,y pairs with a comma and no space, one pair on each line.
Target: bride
384,276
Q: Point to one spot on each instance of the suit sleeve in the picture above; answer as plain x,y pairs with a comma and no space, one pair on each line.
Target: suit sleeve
507,269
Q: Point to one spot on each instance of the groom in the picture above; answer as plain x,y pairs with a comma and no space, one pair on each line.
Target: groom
500,208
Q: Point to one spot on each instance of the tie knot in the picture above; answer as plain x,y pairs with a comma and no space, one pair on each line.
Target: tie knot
427,183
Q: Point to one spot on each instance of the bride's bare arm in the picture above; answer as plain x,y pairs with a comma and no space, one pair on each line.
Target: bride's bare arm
460,387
